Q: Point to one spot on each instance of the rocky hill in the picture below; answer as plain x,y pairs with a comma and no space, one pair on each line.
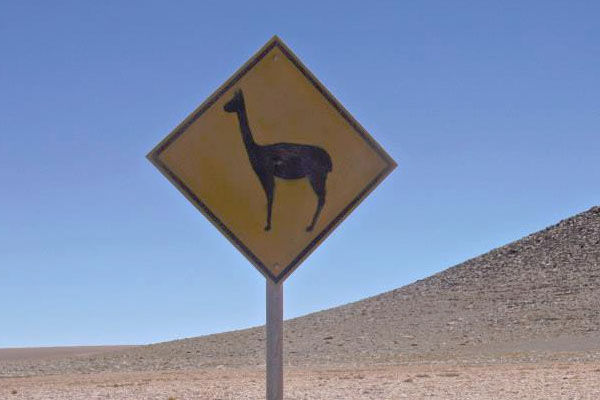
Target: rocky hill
536,297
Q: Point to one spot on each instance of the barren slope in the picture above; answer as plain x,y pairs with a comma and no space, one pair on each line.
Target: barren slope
531,298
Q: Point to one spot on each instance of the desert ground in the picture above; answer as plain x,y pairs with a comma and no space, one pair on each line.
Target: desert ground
543,381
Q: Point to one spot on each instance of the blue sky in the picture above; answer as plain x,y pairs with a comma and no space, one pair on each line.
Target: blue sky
491,110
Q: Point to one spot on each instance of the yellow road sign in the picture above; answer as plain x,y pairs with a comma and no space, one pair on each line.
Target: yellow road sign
273,160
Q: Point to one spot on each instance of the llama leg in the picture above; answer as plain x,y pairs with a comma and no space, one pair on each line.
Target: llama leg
318,184
268,183
269,209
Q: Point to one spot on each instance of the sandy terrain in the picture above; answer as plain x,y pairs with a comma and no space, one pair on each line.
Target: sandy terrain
51,353
542,381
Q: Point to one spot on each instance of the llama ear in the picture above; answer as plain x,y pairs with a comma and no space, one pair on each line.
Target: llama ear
238,92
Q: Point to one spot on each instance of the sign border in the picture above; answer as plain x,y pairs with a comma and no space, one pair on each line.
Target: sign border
154,157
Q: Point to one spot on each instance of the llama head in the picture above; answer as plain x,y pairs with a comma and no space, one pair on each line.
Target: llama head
236,103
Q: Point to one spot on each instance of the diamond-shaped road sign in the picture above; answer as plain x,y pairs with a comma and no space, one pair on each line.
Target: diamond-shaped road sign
273,160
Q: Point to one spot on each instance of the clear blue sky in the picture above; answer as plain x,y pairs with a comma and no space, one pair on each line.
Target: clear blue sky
491,109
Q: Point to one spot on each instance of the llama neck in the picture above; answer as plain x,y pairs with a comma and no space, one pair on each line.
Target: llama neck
245,128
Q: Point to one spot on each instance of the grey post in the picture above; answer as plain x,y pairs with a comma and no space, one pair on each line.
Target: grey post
274,340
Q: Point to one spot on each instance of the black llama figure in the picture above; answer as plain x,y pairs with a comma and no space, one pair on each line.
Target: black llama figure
282,160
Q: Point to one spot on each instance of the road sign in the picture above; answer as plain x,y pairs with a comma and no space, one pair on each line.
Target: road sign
273,160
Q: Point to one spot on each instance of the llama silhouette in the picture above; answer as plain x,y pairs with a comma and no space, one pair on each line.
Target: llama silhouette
282,160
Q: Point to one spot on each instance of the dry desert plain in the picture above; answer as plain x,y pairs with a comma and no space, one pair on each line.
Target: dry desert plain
519,322
557,376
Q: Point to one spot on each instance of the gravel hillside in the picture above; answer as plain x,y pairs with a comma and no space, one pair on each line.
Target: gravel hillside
538,297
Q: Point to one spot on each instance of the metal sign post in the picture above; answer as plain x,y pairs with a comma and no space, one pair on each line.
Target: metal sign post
274,340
